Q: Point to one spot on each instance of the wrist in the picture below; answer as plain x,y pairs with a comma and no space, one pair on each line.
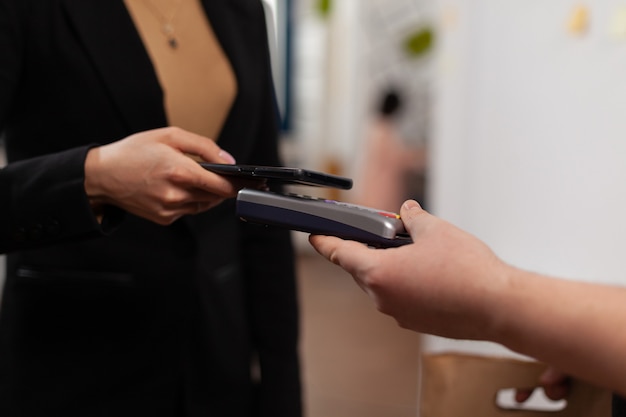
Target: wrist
92,183
507,305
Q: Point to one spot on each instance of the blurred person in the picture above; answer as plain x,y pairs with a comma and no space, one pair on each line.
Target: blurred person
387,161
188,319
449,283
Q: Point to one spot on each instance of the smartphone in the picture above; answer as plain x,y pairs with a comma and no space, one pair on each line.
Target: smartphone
281,174
373,227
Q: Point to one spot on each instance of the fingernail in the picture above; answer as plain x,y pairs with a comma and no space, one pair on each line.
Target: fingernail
410,204
227,157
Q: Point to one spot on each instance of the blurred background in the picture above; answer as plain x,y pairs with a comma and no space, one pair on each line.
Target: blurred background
504,118
354,81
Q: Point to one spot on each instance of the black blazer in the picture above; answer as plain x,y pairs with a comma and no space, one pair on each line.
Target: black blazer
44,202
149,320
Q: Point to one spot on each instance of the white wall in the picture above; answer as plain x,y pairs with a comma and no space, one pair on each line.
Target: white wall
529,139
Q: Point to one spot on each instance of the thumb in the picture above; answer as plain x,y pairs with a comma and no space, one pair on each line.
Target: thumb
412,215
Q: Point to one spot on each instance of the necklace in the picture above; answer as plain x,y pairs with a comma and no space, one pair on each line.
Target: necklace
166,20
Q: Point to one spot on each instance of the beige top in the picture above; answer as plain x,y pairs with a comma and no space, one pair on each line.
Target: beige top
197,79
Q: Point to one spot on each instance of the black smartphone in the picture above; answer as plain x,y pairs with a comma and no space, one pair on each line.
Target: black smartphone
281,174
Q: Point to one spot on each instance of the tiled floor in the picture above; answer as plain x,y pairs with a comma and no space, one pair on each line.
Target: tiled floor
356,361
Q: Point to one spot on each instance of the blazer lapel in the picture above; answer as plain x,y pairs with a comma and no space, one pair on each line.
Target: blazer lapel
112,42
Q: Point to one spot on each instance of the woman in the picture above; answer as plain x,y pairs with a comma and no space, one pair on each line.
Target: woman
151,320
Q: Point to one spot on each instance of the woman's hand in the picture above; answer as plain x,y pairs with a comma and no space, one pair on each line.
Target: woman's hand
150,174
